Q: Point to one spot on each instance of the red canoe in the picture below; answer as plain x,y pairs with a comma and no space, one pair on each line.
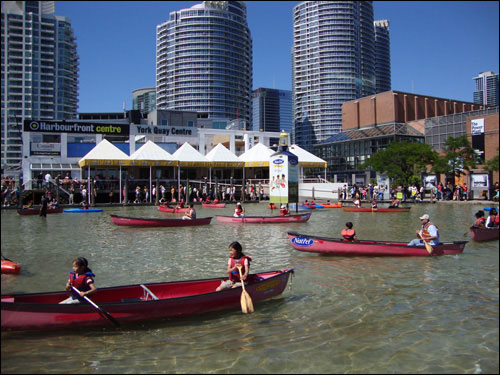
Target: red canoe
265,219
337,246
134,303
154,222
368,209
213,205
173,210
9,266
483,234
36,211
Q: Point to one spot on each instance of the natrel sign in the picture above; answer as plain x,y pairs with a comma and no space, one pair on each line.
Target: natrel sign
72,126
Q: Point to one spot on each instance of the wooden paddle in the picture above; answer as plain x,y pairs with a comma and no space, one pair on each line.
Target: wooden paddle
428,246
107,315
246,301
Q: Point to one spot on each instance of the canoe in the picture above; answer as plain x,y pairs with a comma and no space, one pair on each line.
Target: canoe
155,222
334,205
213,205
483,234
337,246
173,210
81,210
293,205
301,218
490,208
315,205
135,303
9,266
36,211
369,209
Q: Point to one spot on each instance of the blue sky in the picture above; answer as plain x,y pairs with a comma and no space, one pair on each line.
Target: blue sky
437,47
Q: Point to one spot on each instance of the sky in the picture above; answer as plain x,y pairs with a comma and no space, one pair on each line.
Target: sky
437,47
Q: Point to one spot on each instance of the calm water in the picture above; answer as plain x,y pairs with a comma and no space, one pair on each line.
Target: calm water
341,315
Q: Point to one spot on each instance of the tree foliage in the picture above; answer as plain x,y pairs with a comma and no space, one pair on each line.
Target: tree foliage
403,162
458,157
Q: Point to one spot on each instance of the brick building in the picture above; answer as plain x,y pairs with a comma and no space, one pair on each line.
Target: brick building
400,107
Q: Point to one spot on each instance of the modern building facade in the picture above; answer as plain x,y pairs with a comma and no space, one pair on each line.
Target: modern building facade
486,89
39,73
272,110
204,61
382,56
144,99
334,61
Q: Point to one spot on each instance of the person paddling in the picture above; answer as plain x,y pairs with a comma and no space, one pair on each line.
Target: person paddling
428,232
236,258
348,233
81,277
190,214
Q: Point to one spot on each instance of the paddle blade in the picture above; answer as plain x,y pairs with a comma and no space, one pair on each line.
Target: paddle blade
249,302
428,247
244,306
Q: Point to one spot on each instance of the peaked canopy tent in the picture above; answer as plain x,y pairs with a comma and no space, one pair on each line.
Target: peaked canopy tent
188,156
220,156
152,155
307,160
104,154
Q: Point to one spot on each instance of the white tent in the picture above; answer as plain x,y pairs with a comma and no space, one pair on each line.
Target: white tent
188,156
306,159
105,153
257,156
151,154
220,156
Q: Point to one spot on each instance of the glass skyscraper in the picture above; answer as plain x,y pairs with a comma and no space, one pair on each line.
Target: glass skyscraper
272,110
204,61
486,89
39,72
334,61
382,56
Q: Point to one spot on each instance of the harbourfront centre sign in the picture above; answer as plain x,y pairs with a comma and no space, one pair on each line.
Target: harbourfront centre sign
71,126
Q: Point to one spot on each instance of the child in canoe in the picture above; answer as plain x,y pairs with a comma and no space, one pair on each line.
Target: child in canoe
81,277
236,257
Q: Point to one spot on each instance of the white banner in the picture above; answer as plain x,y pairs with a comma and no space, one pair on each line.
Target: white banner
477,126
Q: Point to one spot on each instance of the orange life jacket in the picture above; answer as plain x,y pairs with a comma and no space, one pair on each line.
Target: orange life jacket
348,234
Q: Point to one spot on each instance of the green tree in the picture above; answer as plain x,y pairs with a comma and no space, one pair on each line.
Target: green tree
403,162
458,157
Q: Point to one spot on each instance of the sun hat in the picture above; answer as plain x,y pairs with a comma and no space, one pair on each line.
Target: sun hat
424,217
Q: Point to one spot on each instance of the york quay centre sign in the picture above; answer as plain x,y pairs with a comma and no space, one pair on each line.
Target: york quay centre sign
165,130
71,126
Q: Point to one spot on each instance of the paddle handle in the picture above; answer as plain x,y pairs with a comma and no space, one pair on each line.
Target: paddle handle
107,315
238,266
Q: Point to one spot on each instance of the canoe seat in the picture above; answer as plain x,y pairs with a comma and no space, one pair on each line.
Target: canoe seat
148,293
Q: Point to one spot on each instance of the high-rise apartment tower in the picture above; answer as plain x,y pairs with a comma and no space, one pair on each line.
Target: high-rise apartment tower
486,89
39,72
334,61
382,56
204,61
